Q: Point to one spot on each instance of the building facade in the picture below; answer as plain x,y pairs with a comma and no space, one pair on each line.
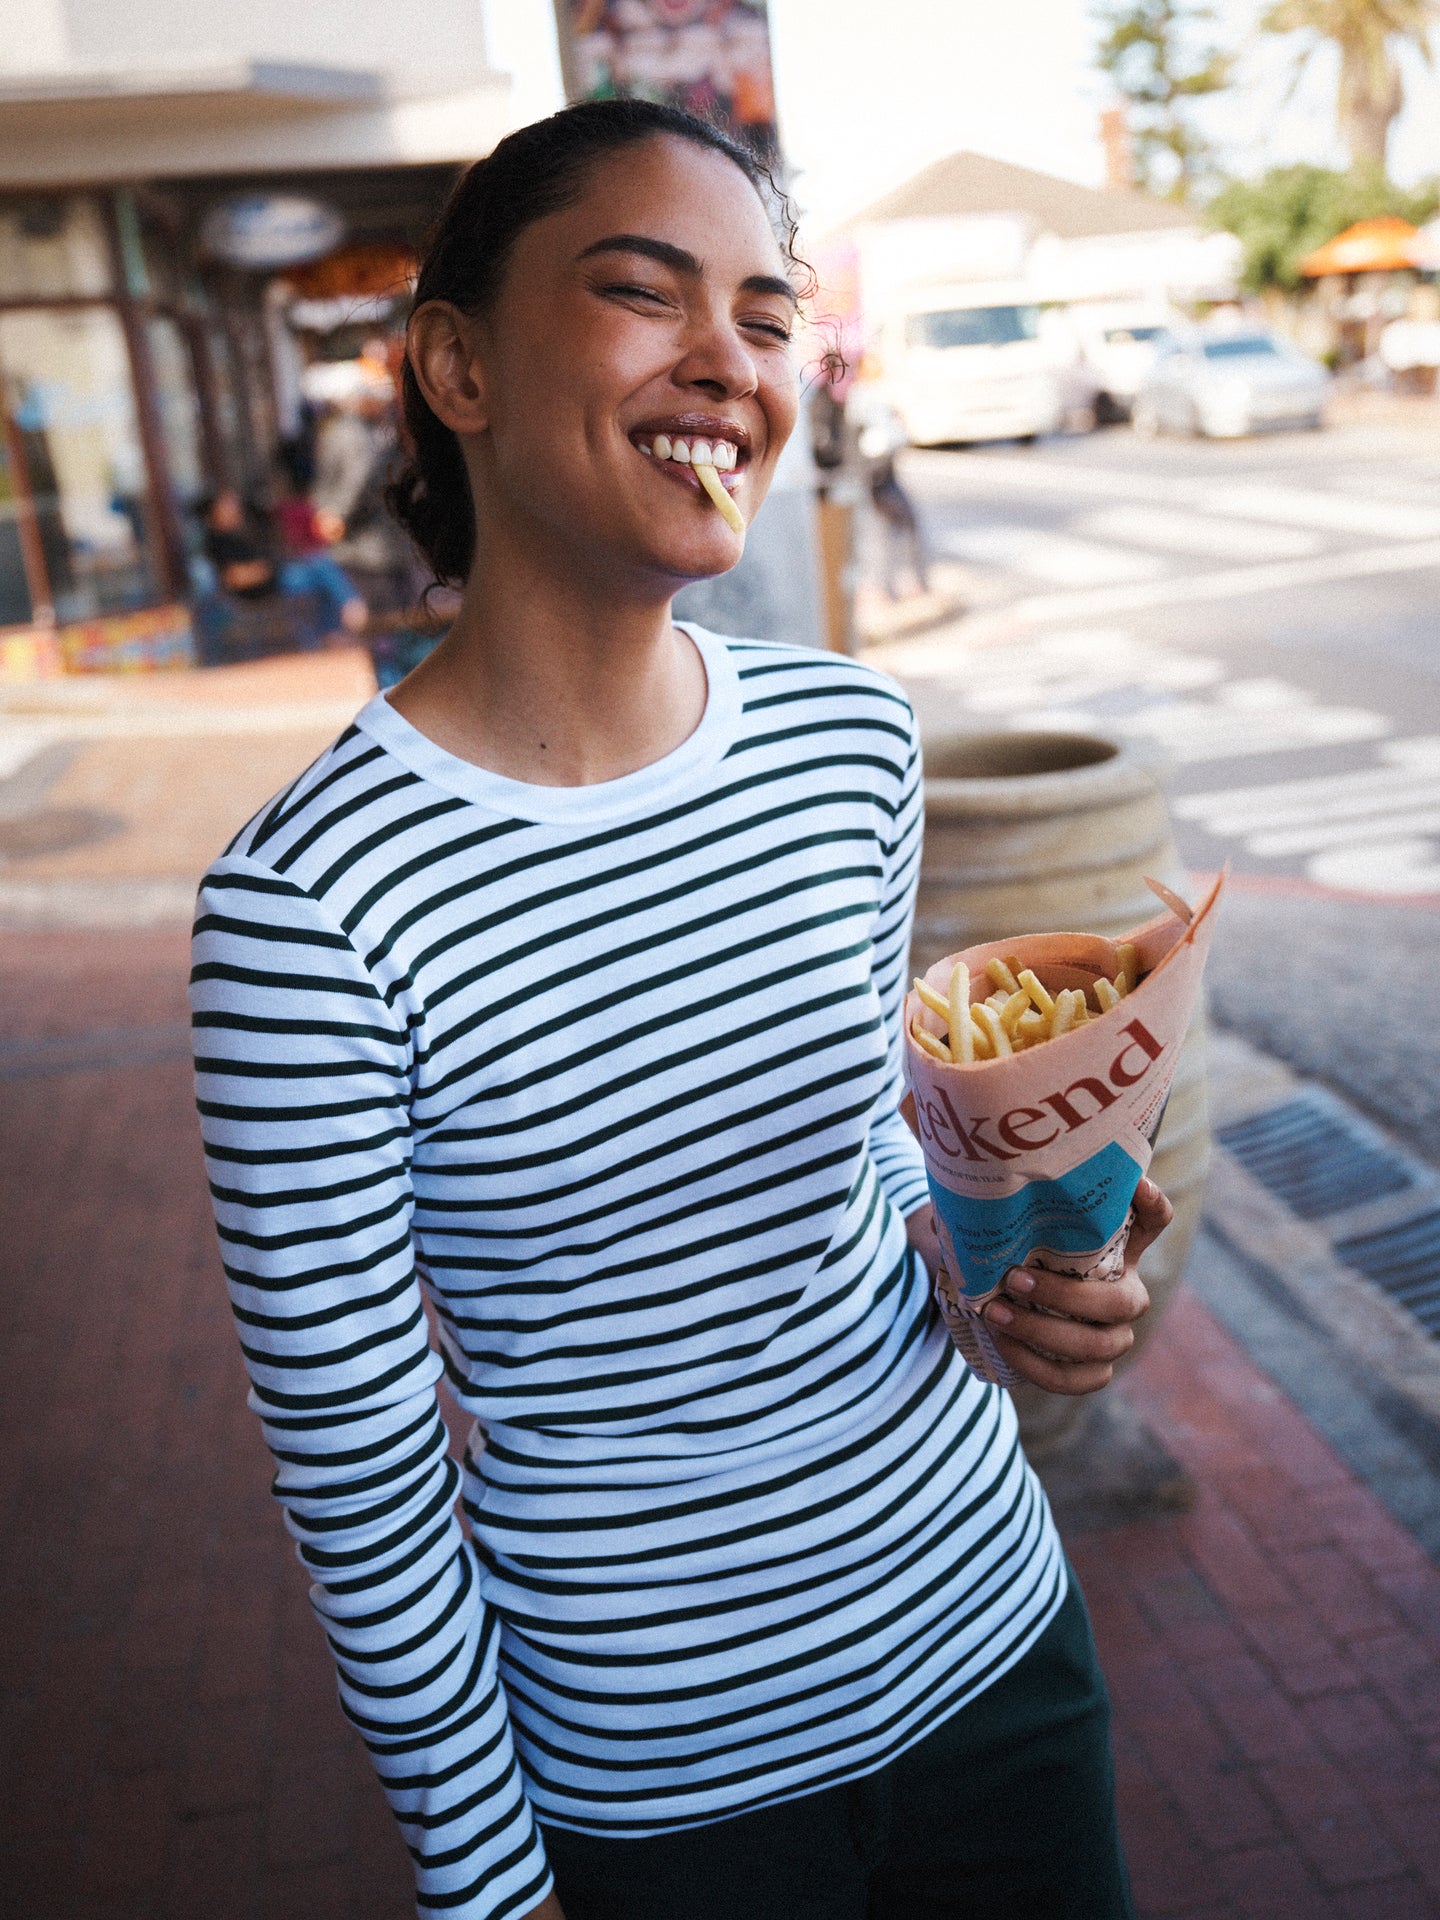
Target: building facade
193,198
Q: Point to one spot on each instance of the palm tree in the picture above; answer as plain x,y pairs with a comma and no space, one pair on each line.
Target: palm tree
1366,33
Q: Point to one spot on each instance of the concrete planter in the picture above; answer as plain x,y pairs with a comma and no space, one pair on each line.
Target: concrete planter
1051,832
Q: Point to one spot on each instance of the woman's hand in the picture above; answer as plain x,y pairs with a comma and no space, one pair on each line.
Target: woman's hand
1076,1354
548,1909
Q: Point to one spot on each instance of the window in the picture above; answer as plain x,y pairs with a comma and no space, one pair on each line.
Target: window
1244,346
178,406
972,327
53,249
14,587
75,449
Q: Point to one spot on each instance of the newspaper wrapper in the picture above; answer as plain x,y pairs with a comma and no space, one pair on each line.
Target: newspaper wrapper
1034,1161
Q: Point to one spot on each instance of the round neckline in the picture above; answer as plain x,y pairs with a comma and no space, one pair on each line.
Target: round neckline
604,800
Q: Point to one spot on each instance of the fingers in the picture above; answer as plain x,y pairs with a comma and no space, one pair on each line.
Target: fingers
1152,1213
1103,1303
1054,1375
1076,1342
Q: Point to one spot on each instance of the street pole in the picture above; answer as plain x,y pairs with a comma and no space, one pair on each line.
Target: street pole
775,591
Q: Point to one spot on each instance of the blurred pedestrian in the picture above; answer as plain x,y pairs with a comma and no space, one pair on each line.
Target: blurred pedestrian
249,567
880,437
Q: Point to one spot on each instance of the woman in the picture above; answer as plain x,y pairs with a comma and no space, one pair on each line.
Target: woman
566,985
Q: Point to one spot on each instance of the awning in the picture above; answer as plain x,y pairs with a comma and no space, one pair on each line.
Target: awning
1370,246
248,117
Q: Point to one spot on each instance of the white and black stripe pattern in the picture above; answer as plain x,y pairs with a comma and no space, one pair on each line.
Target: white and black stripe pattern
613,1072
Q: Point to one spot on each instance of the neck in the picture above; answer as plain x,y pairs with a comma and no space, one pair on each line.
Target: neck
557,681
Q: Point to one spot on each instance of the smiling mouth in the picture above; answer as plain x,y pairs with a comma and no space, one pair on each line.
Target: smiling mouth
681,454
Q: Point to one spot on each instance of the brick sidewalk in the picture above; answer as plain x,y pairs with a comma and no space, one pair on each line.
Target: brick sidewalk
170,1746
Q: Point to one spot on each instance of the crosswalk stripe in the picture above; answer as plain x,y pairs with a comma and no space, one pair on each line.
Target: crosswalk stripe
1394,867
1411,774
1174,530
1342,833
1329,512
1056,557
1255,498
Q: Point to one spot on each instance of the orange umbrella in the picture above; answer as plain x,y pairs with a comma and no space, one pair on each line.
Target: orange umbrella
1370,246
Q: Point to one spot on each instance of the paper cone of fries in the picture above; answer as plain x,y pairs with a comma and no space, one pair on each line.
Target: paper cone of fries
1034,1155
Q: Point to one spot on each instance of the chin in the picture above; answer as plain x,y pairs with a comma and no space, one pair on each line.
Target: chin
684,561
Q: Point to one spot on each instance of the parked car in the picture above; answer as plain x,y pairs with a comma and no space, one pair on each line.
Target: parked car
1229,384
968,363
1117,345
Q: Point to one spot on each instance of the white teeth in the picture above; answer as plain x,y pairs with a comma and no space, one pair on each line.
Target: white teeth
721,454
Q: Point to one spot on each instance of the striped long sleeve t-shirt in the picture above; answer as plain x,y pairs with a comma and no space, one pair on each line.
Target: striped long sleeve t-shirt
612,1074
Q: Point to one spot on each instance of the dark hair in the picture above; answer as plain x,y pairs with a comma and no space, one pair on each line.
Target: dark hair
535,171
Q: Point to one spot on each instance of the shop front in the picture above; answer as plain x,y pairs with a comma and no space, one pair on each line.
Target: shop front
174,322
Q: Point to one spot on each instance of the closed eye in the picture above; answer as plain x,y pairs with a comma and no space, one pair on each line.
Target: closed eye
776,329
629,290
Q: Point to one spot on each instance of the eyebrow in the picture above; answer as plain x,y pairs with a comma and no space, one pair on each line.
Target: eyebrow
681,260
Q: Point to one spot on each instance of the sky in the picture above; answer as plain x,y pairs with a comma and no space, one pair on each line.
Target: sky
870,91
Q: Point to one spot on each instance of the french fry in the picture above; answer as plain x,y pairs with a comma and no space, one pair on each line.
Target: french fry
1127,961
1030,1029
931,1045
1017,1004
1044,1003
962,1027
936,1002
1006,1022
1000,973
1063,1018
729,512
988,1020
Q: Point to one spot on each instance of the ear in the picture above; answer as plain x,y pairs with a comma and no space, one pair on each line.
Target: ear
443,347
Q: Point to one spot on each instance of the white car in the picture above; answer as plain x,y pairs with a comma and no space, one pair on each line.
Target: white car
1229,384
1118,346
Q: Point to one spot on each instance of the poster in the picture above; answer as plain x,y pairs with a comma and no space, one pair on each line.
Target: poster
711,57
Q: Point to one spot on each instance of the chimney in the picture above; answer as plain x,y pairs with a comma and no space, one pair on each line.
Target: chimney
1119,154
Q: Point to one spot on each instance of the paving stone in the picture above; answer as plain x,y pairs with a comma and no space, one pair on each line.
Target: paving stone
1271,1881
171,1747
1255,1714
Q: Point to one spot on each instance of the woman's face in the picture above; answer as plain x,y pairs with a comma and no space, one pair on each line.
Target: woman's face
656,309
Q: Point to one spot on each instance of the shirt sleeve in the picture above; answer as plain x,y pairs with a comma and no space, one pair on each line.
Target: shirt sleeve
893,1147
302,1082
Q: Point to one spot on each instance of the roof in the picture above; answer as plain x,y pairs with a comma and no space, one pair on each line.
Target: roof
964,184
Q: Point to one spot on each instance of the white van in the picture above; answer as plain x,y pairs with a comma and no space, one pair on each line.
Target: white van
969,363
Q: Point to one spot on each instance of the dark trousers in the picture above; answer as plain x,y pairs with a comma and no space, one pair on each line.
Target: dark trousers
1005,1812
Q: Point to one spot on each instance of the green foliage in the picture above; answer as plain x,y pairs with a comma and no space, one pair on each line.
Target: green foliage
1292,210
1148,49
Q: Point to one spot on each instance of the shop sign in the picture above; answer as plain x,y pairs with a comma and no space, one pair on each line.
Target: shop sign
711,57
269,230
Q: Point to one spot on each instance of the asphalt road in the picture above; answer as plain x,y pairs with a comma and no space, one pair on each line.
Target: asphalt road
1267,612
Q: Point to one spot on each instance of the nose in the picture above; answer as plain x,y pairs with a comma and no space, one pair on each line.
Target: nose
717,361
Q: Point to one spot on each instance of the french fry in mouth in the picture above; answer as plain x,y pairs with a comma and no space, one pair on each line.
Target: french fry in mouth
729,512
